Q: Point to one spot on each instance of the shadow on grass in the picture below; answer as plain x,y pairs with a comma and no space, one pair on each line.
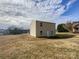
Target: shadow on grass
61,36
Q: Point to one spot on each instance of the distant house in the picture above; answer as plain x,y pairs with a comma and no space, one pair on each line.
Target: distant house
76,27
42,29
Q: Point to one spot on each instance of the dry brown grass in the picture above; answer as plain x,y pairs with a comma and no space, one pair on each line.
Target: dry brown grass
27,47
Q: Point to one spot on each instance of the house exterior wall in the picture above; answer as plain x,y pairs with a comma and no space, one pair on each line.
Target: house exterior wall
47,28
75,27
33,28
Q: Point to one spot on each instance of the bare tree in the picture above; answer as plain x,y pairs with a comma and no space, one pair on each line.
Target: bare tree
68,26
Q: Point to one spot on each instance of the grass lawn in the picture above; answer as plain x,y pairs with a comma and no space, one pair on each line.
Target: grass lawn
62,46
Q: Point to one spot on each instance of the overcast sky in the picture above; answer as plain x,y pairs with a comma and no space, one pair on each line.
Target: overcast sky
22,12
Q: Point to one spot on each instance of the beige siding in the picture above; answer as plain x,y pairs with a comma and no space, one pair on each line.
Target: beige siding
46,26
33,28
75,27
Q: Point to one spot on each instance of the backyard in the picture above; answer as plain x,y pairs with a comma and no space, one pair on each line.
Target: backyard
62,46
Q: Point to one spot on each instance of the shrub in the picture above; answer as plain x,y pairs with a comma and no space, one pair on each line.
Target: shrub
60,28
15,30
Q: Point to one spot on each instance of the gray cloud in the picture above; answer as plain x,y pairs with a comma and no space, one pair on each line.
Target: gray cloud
21,12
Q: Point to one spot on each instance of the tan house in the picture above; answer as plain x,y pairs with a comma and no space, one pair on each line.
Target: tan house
42,29
76,27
